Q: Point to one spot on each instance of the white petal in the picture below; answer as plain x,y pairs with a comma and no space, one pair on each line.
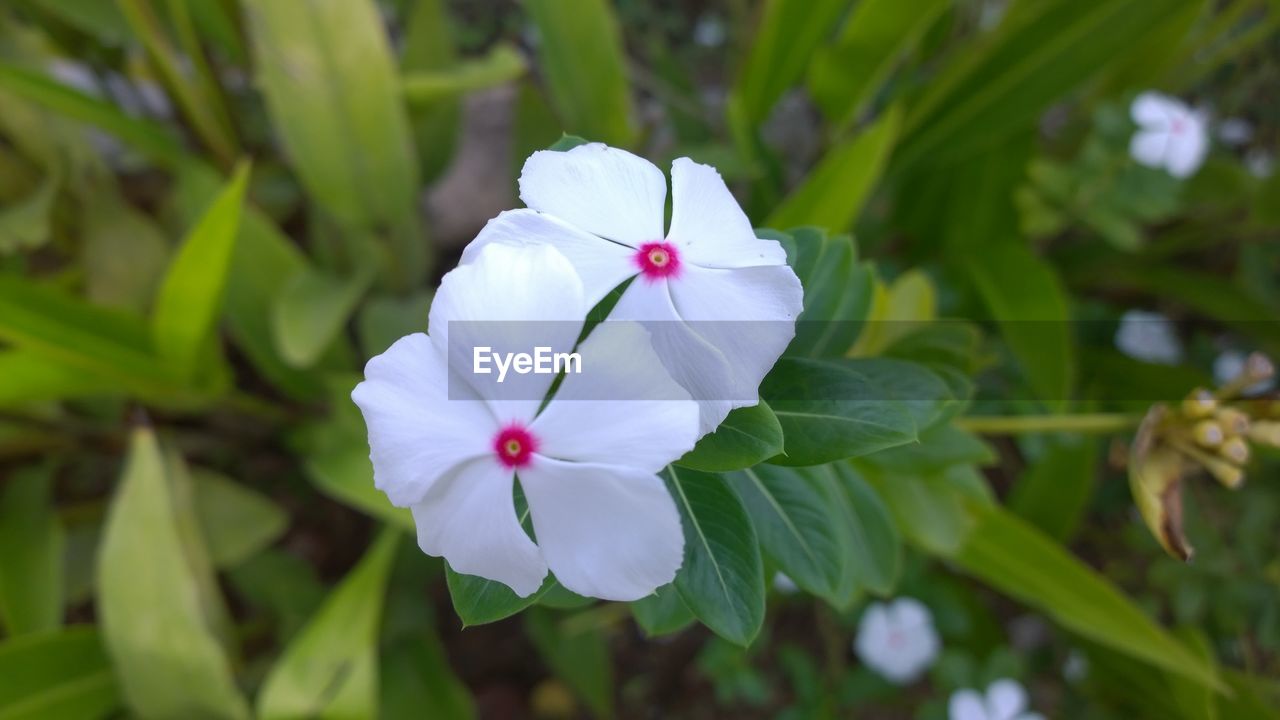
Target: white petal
1153,110
601,264
1147,147
469,518
966,705
416,433
909,613
708,225
600,189
1187,149
1005,699
1149,337
510,299
606,532
622,409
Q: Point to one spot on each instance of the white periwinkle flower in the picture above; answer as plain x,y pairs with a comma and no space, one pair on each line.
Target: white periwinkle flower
1170,135
692,285
1149,337
897,639
450,447
1005,700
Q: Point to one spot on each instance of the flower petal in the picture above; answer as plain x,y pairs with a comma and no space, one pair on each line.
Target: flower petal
1187,149
1153,110
603,190
606,532
1148,147
416,432
622,409
966,705
511,299
601,264
708,225
469,518
1005,699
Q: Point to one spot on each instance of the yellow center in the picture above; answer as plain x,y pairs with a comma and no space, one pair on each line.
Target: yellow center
659,257
513,447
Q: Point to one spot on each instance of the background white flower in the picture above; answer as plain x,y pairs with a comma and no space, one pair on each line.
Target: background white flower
720,302
1148,336
605,523
897,639
1005,700
1170,135
1230,364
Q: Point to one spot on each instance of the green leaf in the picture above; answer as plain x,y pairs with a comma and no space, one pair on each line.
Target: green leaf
833,193
662,613
331,668
152,600
579,656
123,252
1040,52
418,682
795,516
64,675
31,579
722,578
311,310
27,377
592,98
101,20
429,46
333,94
838,291
189,302
478,601
25,225
236,521
1054,492
831,410
749,435
877,33
385,319
1027,300
939,447
875,546
502,65
788,33
926,508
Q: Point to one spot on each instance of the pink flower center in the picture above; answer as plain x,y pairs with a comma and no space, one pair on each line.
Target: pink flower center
658,260
1177,126
514,446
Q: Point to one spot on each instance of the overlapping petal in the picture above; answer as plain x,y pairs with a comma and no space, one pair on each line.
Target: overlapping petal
1153,110
707,224
1148,147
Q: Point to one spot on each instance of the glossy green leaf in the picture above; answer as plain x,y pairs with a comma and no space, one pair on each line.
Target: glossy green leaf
939,447
64,675
722,578
875,36
593,99
579,656
152,599
311,310
502,65
927,508
235,520
189,302
833,193
1027,300
875,545
333,93
662,613
794,514
31,578
838,291
331,668
749,435
478,601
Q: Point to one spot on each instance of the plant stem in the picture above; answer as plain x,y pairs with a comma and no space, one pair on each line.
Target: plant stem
1102,423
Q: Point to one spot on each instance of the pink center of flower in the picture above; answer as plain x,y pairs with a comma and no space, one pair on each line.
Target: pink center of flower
1177,126
514,446
658,260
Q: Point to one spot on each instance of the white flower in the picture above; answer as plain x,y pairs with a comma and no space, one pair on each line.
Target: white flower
1149,337
1259,163
1235,131
1170,135
693,284
1005,700
897,639
1230,364
449,446
784,584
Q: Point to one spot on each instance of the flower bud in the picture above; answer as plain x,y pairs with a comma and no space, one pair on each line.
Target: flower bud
1208,433
1234,422
1236,450
1199,404
1266,432
1229,475
1258,368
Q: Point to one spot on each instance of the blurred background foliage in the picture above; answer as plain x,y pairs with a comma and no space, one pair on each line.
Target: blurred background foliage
213,211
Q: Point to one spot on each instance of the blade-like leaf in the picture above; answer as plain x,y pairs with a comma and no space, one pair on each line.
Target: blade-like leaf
311,310
722,578
31,578
502,65
65,674
749,435
235,520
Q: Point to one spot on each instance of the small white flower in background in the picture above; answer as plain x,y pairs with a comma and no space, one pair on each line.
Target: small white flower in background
604,209
1004,700
897,639
450,448
1235,131
1075,668
784,584
1230,364
1170,136
1259,163
1149,337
